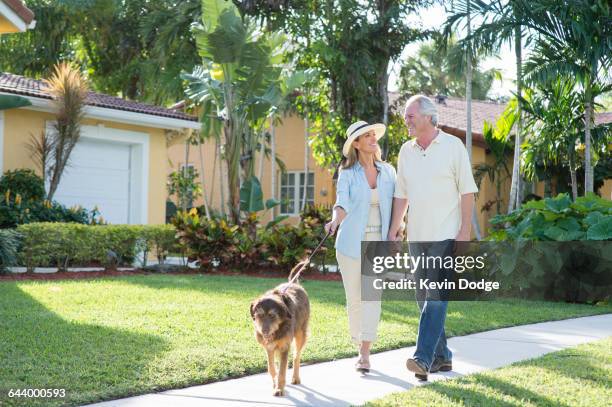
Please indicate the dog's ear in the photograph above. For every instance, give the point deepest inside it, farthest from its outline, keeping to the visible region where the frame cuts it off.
(252, 309)
(287, 302)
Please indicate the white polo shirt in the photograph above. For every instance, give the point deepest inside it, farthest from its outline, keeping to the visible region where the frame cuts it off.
(433, 181)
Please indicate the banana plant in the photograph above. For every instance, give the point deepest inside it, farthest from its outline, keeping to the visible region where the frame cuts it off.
(497, 138)
(240, 64)
(251, 200)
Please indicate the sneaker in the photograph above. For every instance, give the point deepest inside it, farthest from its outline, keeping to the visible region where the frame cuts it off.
(440, 365)
(418, 368)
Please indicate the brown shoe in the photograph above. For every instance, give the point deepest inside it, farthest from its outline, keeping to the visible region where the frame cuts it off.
(362, 366)
(418, 368)
(440, 365)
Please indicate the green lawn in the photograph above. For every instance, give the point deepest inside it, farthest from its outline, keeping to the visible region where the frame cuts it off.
(111, 338)
(580, 376)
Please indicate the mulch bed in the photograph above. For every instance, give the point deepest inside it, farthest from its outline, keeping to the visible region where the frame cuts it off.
(250, 272)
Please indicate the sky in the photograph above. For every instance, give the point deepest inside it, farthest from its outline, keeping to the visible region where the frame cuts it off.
(433, 18)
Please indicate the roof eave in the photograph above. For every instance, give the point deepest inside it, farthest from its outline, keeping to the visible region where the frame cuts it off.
(116, 115)
(20, 23)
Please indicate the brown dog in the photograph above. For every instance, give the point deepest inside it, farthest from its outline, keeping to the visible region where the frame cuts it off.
(281, 316)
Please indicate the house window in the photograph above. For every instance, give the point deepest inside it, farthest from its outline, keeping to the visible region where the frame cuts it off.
(292, 191)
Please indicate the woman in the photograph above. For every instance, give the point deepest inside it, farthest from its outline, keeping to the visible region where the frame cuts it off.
(362, 212)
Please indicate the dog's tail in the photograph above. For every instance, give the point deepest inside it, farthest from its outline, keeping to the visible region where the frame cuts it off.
(296, 269)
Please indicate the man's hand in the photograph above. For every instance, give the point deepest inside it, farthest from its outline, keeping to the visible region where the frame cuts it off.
(463, 235)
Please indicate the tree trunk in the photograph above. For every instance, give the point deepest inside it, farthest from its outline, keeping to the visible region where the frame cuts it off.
(262, 154)
(574, 183)
(468, 99)
(214, 173)
(384, 93)
(513, 201)
(272, 165)
(572, 168)
(202, 179)
(306, 154)
(588, 165)
(182, 194)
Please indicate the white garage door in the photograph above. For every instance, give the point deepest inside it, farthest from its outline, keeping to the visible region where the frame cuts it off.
(98, 175)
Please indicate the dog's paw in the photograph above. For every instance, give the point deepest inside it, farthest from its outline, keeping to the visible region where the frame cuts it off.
(296, 380)
(278, 392)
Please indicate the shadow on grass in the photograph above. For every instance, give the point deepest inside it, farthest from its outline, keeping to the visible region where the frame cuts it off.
(470, 397)
(576, 366)
(42, 350)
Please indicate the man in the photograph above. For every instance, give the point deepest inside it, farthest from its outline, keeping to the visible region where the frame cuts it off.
(435, 181)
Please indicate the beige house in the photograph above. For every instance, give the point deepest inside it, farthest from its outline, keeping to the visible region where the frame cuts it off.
(120, 163)
(290, 143)
(15, 17)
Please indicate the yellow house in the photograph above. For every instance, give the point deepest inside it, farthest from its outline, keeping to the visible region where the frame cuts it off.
(120, 161)
(290, 144)
(15, 17)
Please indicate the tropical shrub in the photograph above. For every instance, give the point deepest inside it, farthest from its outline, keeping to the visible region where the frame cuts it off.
(557, 219)
(15, 211)
(207, 239)
(22, 201)
(215, 239)
(23, 182)
(9, 245)
(556, 249)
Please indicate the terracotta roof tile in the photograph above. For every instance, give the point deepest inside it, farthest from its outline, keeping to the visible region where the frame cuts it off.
(20, 85)
(452, 117)
(20, 9)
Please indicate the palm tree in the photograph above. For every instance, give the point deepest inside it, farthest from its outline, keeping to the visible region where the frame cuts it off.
(69, 91)
(554, 124)
(573, 41)
(240, 65)
(500, 23)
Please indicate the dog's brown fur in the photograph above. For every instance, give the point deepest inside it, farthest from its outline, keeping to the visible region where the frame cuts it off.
(280, 318)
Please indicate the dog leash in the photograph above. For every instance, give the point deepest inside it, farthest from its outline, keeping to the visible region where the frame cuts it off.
(297, 274)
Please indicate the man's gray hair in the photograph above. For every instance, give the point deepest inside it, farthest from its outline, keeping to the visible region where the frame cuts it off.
(426, 105)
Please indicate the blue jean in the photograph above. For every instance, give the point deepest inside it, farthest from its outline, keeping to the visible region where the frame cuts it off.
(431, 339)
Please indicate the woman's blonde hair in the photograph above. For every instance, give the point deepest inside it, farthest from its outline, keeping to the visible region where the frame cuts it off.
(353, 156)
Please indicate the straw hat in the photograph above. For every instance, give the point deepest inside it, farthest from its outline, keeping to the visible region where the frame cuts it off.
(357, 129)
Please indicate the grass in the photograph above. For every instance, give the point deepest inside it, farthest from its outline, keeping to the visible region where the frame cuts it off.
(579, 376)
(116, 337)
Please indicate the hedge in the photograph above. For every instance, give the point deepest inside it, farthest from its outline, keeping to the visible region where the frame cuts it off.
(67, 244)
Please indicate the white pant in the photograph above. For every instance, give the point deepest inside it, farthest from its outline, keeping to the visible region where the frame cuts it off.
(363, 316)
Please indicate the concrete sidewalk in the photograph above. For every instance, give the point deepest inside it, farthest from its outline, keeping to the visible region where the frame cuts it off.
(337, 384)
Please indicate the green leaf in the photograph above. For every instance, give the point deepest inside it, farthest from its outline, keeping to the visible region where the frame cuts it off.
(226, 42)
(13, 102)
(554, 233)
(276, 221)
(271, 203)
(559, 203)
(212, 10)
(251, 195)
(593, 218)
(569, 224)
(539, 205)
(601, 230)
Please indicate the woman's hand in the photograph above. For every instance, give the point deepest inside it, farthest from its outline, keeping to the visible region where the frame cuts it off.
(331, 227)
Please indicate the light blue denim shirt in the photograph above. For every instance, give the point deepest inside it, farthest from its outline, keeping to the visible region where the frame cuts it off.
(353, 195)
